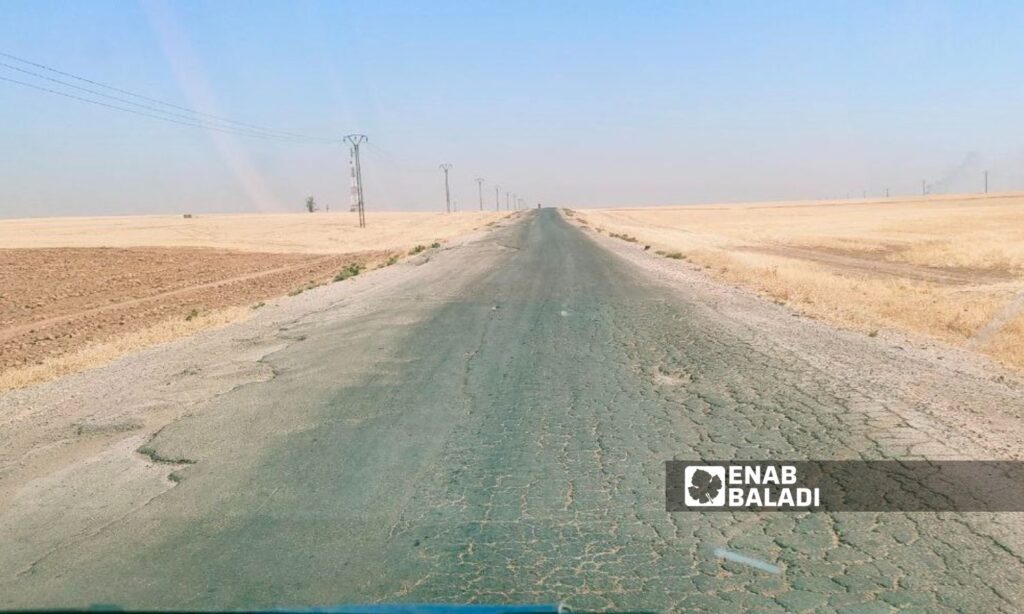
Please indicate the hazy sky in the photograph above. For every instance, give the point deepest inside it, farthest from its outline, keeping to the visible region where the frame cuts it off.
(567, 103)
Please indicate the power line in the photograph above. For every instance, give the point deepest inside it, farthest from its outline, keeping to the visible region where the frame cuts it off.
(396, 161)
(156, 113)
(144, 114)
(142, 97)
(262, 132)
(199, 119)
(187, 120)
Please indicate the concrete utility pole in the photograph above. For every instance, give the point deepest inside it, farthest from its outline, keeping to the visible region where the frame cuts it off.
(480, 189)
(506, 201)
(447, 193)
(887, 192)
(355, 140)
(986, 182)
(497, 198)
(924, 188)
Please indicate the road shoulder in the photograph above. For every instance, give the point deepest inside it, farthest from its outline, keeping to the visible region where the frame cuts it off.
(961, 398)
(85, 437)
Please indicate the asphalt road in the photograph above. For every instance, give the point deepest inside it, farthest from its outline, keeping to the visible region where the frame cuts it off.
(501, 439)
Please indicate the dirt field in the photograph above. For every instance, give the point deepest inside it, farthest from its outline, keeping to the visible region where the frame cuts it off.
(950, 267)
(75, 293)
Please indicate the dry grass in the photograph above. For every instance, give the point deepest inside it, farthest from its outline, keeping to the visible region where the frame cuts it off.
(1009, 343)
(939, 266)
(317, 233)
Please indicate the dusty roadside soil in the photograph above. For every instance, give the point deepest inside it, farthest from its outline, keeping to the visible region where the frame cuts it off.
(56, 301)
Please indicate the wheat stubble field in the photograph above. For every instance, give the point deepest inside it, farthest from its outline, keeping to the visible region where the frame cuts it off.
(948, 267)
(78, 292)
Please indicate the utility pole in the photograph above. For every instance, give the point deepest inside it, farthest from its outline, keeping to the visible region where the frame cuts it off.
(353, 190)
(924, 188)
(887, 192)
(506, 201)
(480, 189)
(447, 193)
(497, 198)
(355, 140)
(986, 182)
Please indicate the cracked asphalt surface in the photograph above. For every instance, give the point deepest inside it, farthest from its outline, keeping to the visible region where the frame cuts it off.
(501, 438)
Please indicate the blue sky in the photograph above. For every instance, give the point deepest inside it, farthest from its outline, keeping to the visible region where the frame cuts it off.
(566, 103)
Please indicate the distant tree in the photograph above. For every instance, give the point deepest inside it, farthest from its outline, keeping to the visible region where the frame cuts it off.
(310, 204)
